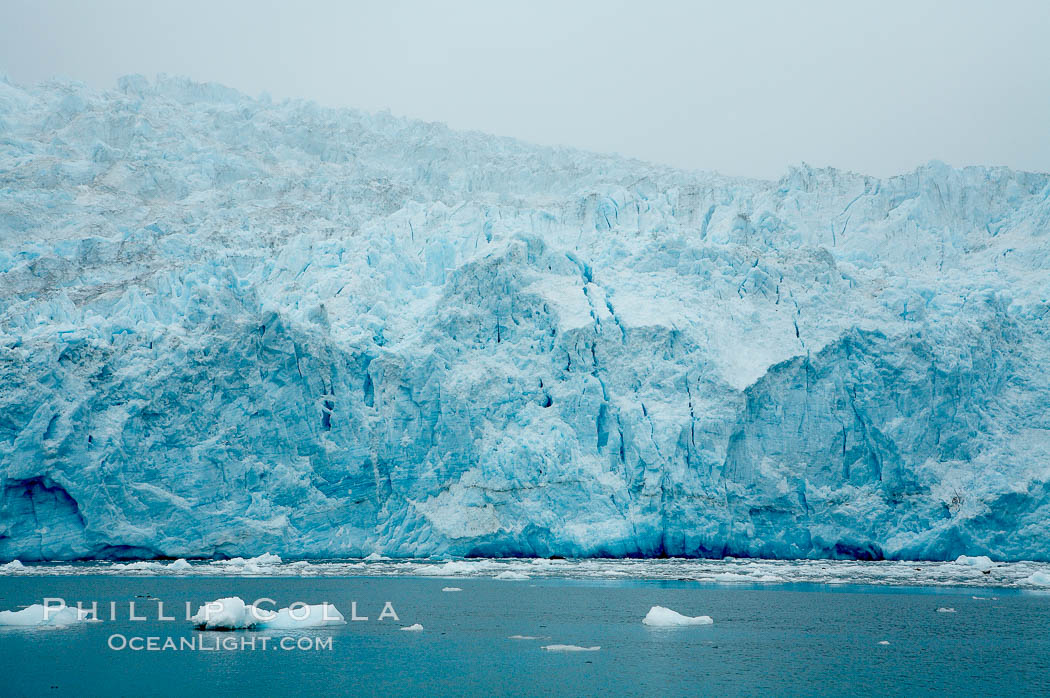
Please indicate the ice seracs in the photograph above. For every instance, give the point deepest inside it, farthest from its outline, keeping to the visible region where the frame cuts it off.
(326, 333)
(661, 617)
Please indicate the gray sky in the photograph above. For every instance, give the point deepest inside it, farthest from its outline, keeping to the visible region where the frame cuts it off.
(876, 87)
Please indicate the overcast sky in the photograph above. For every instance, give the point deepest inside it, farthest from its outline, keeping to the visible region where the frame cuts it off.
(876, 87)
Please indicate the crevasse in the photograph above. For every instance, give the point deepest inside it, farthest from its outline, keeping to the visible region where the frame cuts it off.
(231, 326)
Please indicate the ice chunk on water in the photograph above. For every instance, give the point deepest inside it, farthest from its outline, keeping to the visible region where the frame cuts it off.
(658, 616)
(525, 637)
(451, 589)
(981, 562)
(511, 576)
(570, 648)
(884, 642)
(54, 617)
(1039, 579)
(375, 557)
(945, 610)
(180, 564)
(261, 564)
(414, 628)
(297, 617)
(232, 613)
(13, 566)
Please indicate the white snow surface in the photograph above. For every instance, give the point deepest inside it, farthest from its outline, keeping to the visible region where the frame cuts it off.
(661, 617)
(231, 325)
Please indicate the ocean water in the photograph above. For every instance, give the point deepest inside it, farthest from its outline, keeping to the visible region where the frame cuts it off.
(782, 639)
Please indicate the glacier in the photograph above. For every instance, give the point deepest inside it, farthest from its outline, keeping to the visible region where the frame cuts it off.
(232, 326)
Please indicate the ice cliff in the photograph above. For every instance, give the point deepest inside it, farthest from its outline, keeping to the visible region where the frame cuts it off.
(230, 326)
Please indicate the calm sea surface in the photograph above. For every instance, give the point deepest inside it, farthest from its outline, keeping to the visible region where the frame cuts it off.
(767, 640)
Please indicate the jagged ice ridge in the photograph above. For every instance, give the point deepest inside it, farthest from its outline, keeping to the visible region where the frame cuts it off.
(231, 326)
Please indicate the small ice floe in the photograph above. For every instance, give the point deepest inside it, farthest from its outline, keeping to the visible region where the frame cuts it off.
(414, 628)
(375, 557)
(232, 613)
(451, 589)
(942, 609)
(55, 617)
(511, 576)
(294, 618)
(453, 568)
(525, 637)
(141, 566)
(884, 642)
(985, 598)
(13, 566)
(980, 562)
(661, 617)
(1038, 579)
(570, 648)
(260, 564)
(179, 564)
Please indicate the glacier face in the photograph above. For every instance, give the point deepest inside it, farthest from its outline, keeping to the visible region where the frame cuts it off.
(230, 326)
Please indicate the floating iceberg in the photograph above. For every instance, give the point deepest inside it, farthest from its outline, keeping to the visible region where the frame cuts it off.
(512, 576)
(414, 628)
(981, 562)
(1039, 579)
(661, 617)
(274, 324)
(314, 616)
(570, 648)
(945, 610)
(36, 616)
(451, 589)
(232, 613)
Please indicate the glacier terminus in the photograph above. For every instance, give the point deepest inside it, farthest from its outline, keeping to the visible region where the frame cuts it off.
(231, 326)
